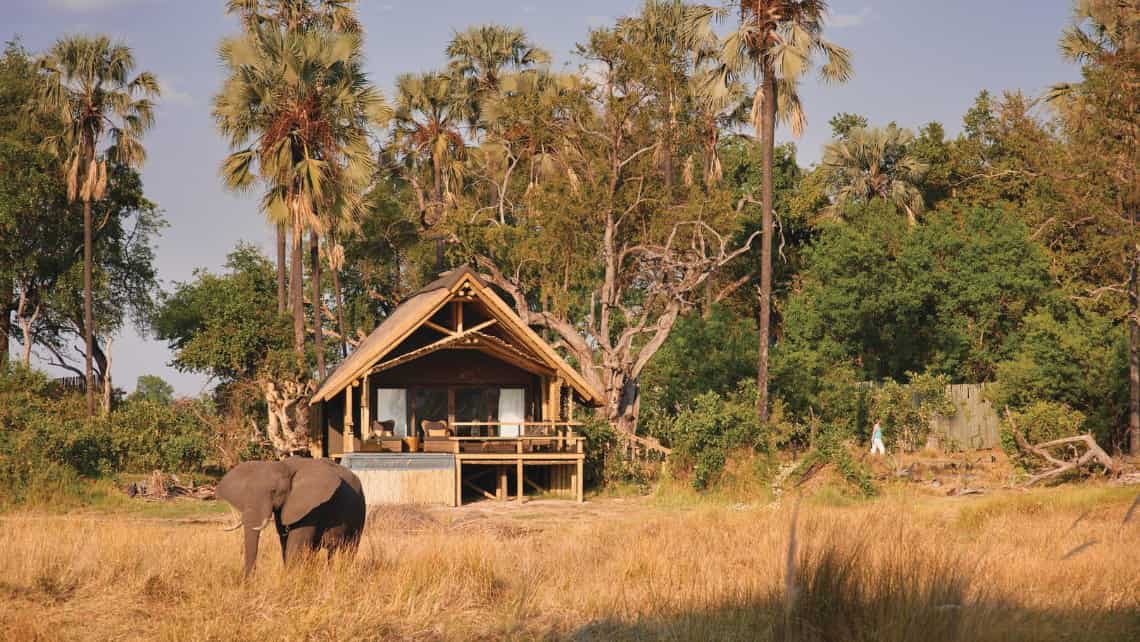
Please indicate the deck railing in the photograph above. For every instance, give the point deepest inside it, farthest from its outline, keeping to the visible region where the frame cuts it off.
(555, 436)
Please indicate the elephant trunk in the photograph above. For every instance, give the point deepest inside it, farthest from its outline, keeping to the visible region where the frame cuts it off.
(252, 535)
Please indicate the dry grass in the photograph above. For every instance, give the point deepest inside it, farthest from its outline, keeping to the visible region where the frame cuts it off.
(986, 568)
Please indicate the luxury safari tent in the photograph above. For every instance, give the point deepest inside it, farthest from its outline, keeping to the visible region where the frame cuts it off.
(453, 398)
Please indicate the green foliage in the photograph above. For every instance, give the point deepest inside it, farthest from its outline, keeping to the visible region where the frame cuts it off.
(705, 431)
(906, 410)
(703, 354)
(50, 449)
(831, 448)
(1040, 421)
(606, 465)
(947, 295)
(843, 122)
(152, 388)
(1076, 360)
(226, 325)
(151, 435)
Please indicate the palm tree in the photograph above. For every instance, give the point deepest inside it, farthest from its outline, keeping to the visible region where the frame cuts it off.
(429, 113)
(294, 16)
(296, 108)
(776, 43)
(482, 53)
(872, 163)
(298, 15)
(675, 44)
(85, 85)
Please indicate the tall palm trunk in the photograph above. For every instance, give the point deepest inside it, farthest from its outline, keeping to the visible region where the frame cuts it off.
(296, 285)
(767, 140)
(318, 335)
(282, 302)
(437, 178)
(338, 296)
(88, 310)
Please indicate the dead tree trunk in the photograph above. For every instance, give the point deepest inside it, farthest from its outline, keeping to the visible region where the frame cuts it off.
(1092, 453)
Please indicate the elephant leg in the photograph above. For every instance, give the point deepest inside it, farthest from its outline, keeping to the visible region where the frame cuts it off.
(299, 543)
(282, 536)
(251, 538)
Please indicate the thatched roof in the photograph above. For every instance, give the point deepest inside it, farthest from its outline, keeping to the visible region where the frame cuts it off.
(419, 308)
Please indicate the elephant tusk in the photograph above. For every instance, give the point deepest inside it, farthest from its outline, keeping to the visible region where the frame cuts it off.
(263, 524)
(237, 521)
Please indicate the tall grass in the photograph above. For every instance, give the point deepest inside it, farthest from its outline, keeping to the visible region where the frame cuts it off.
(880, 570)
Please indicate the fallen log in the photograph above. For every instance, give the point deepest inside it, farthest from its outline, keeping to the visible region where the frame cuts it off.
(160, 486)
(1092, 453)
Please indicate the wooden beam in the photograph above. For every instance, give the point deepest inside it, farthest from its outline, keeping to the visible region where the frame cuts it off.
(479, 490)
(536, 487)
(447, 332)
(519, 472)
(431, 347)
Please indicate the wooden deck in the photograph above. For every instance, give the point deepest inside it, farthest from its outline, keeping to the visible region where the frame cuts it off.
(476, 456)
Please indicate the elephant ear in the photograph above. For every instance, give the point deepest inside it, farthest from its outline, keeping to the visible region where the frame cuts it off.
(314, 483)
(250, 488)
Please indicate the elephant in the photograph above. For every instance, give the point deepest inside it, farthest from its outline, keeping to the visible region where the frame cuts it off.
(313, 502)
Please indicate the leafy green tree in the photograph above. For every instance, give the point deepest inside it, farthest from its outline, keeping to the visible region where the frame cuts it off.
(154, 389)
(844, 123)
(710, 353)
(1099, 115)
(227, 326)
(596, 250)
(40, 243)
(775, 43)
(85, 85)
(947, 296)
(1072, 358)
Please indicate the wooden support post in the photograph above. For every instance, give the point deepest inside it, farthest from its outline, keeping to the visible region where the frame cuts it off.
(520, 477)
(501, 491)
(365, 410)
(581, 483)
(349, 440)
(458, 482)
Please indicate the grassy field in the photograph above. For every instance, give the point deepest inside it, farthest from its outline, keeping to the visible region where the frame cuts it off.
(902, 567)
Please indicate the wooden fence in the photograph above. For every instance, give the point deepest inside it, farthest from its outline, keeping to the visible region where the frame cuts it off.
(975, 426)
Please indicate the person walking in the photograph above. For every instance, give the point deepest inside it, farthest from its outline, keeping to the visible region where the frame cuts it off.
(877, 440)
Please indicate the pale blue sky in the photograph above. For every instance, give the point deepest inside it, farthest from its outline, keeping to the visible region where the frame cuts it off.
(915, 61)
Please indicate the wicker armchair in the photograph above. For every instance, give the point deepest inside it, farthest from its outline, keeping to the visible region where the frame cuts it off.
(437, 437)
(384, 438)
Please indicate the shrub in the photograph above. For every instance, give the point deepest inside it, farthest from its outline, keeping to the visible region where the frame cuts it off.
(48, 446)
(704, 432)
(151, 435)
(606, 463)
